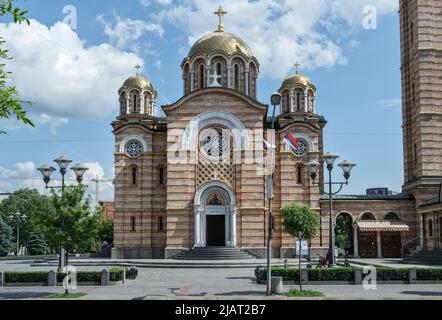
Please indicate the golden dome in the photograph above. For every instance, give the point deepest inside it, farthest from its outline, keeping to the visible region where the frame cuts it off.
(296, 79)
(220, 41)
(138, 82)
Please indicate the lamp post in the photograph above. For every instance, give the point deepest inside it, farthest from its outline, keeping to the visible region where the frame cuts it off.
(346, 167)
(18, 218)
(276, 101)
(46, 171)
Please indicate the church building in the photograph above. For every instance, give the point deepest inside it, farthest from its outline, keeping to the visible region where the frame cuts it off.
(197, 178)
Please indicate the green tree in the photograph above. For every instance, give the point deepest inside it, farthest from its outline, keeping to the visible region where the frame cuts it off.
(36, 245)
(106, 230)
(10, 103)
(5, 238)
(301, 223)
(343, 230)
(73, 223)
(34, 205)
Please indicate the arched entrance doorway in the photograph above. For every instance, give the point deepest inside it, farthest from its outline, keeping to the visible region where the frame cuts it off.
(215, 215)
(344, 231)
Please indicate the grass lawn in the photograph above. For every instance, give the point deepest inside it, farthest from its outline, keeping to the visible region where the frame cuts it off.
(65, 296)
(304, 293)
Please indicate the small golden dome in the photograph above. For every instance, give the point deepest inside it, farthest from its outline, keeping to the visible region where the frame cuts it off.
(296, 79)
(220, 41)
(138, 82)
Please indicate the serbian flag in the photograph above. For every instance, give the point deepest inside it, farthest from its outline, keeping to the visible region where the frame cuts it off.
(291, 141)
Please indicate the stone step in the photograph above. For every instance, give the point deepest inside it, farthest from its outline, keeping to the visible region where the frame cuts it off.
(214, 253)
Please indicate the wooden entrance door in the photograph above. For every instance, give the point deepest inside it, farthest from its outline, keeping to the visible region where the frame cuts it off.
(391, 244)
(216, 231)
(367, 245)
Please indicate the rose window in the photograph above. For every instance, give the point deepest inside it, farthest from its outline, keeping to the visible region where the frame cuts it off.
(214, 142)
(134, 149)
(301, 150)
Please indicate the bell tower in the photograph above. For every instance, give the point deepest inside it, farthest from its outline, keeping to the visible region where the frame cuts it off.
(421, 67)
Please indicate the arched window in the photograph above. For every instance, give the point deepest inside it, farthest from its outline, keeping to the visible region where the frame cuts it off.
(134, 176)
(161, 178)
(236, 77)
(415, 154)
(160, 224)
(201, 76)
(287, 102)
(391, 216)
(299, 174)
(413, 92)
(147, 103)
(123, 103)
(298, 100)
(412, 33)
(135, 101)
(430, 228)
(368, 216)
(219, 73)
(132, 224)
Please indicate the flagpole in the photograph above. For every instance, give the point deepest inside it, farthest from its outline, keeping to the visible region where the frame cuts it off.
(276, 100)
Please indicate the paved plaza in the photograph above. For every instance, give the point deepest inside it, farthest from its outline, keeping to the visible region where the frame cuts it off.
(205, 283)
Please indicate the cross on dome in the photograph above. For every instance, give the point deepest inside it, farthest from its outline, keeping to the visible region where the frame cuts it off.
(138, 67)
(220, 13)
(297, 65)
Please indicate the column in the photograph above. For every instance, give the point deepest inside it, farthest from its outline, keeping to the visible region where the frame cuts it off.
(197, 227)
(233, 226)
(306, 100)
(208, 68)
(246, 82)
(256, 86)
(127, 104)
(421, 232)
(379, 244)
(314, 104)
(229, 72)
(192, 79)
(292, 101)
(355, 241)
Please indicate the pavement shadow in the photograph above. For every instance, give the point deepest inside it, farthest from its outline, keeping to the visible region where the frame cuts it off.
(241, 293)
(423, 293)
(23, 295)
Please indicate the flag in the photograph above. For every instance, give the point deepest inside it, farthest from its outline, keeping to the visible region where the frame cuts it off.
(268, 145)
(291, 141)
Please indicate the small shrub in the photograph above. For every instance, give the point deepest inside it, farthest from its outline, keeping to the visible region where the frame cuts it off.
(131, 273)
(392, 274)
(304, 293)
(35, 276)
(331, 274)
(429, 273)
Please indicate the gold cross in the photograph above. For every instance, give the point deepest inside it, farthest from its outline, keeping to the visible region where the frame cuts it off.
(138, 67)
(297, 65)
(220, 13)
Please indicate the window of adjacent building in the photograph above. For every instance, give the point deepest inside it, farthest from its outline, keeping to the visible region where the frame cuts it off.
(132, 223)
(430, 228)
(287, 102)
(368, 216)
(298, 100)
(160, 224)
(391, 216)
(236, 76)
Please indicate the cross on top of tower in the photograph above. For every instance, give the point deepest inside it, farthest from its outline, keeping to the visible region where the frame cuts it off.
(220, 13)
(138, 67)
(297, 65)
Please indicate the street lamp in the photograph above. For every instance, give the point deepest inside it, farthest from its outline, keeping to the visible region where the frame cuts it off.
(346, 167)
(46, 171)
(18, 217)
(276, 101)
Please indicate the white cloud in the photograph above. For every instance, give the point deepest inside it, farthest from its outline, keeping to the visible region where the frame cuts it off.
(393, 104)
(21, 175)
(126, 33)
(280, 32)
(53, 68)
(53, 122)
(147, 3)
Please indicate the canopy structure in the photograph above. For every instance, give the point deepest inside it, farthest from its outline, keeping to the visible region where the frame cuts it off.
(392, 226)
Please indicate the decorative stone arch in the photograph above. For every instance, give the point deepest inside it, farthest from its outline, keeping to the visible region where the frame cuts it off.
(195, 59)
(217, 54)
(138, 138)
(202, 210)
(221, 118)
(303, 136)
(353, 220)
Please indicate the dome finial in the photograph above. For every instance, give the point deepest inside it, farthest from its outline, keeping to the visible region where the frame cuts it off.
(297, 65)
(220, 13)
(138, 67)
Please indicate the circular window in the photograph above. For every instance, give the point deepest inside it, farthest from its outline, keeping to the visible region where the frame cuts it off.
(214, 142)
(303, 148)
(133, 148)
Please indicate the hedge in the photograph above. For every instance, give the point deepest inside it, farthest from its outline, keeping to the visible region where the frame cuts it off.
(35, 276)
(347, 274)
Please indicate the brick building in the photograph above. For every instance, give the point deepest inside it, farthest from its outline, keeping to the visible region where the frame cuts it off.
(198, 177)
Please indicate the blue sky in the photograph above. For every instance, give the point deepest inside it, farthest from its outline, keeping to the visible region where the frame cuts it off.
(72, 76)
